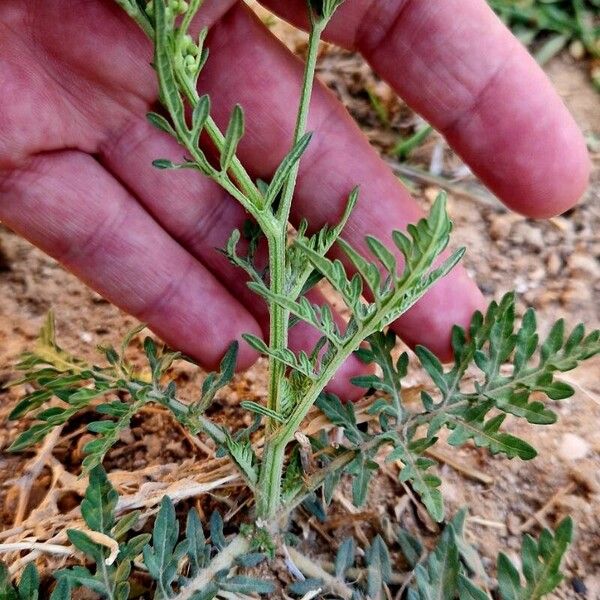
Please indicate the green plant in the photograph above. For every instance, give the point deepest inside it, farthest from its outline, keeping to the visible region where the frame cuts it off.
(192, 566)
(548, 26)
(381, 290)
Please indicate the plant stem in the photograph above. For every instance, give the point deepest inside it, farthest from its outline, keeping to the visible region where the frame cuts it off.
(269, 488)
(268, 500)
(279, 319)
(277, 245)
(302, 119)
(134, 11)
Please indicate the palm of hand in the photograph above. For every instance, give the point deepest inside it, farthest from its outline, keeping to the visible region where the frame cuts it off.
(76, 151)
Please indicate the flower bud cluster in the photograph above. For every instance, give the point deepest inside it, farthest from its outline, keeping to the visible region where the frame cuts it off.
(174, 8)
(190, 53)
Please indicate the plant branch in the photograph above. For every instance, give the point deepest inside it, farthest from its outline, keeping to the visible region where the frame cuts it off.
(270, 476)
(248, 192)
(37, 546)
(302, 118)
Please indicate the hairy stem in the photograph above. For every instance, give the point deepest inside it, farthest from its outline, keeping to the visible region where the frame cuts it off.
(279, 319)
(273, 457)
(269, 489)
(302, 119)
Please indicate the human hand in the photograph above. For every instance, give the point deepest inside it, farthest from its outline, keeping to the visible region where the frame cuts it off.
(76, 150)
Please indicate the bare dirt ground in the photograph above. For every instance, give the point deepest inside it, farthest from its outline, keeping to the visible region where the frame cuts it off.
(554, 265)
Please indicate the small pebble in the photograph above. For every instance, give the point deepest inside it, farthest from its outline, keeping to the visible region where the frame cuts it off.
(583, 265)
(500, 226)
(579, 586)
(524, 233)
(553, 264)
(573, 447)
(513, 524)
(577, 49)
(577, 293)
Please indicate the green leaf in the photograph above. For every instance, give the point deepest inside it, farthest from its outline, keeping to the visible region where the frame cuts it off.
(379, 351)
(29, 403)
(134, 546)
(299, 362)
(199, 117)
(387, 259)
(509, 580)
(416, 470)
(198, 551)
(259, 409)
(469, 591)
(410, 546)
(62, 590)
(98, 511)
(163, 58)
(363, 468)
(160, 557)
(301, 588)
(393, 293)
(541, 562)
(251, 560)
(344, 558)
(379, 566)
(161, 123)
(233, 135)
(320, 317)
(468, 554)
(340, 414)
(437, 578)
(7, 591)
(285, 168)
(487, 435)
(243, 584)
(163, 164)
(33, 435)
(216, 381)
(30, 582)
(81, 577)
(125, 524)
(216, 530)
(243, 456)
(85, 544)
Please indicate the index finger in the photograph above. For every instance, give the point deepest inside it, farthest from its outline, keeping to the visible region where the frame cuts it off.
(456, 64)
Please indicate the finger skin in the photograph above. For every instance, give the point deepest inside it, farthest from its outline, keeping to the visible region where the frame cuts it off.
(67, 205)
(338, 158)
(461, 68)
